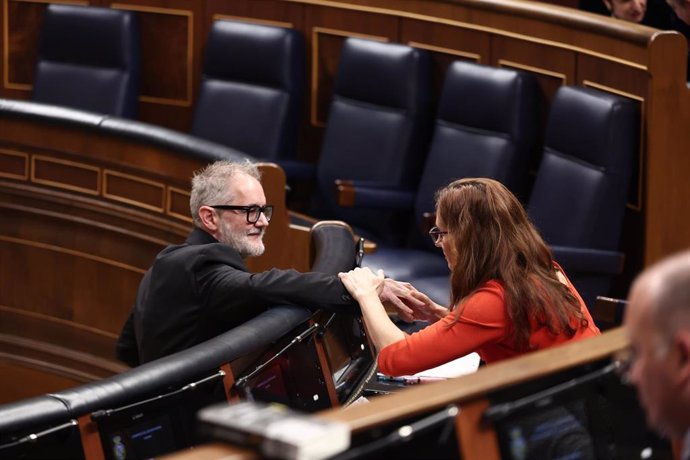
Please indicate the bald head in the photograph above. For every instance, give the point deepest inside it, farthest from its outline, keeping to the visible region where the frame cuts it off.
(657, 321)
(665, 289)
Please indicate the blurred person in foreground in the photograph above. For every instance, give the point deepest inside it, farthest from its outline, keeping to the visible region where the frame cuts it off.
(657, 319)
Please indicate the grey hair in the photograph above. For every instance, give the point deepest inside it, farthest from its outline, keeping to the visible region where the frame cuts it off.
(210, 184)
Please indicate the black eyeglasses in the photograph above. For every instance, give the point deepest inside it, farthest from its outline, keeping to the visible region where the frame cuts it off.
(253, 212)
(436, 234)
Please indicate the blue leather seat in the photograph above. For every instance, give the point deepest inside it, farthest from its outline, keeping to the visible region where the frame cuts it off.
(580, 193)
(88, 58)
(252, 89)
(581, 190)
(485, 127)
(376, 131)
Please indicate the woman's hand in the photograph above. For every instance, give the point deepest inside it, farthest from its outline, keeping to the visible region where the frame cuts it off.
(366, 287)
(362, 283)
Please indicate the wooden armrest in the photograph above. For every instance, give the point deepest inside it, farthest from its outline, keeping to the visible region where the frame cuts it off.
(344, 192)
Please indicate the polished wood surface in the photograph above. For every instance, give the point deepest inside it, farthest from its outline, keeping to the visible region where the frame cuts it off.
(428, 397)
(214, 451)
(476, 441)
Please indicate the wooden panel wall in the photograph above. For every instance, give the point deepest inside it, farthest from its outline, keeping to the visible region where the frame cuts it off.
(83, 214)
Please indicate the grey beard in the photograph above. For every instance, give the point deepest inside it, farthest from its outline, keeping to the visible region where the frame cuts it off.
(241, 244)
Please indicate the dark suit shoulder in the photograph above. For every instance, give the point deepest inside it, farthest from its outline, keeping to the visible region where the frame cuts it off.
(193, 254)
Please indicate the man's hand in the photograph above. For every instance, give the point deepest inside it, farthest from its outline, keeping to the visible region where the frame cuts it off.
(400, 296)
(426, 309)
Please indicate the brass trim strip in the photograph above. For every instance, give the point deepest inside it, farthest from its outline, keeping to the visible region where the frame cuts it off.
(315, 64)
(440, 49)
(168, 204)
(641, 147)
(15, 153)
(187, 101)
(72, 252)
(63, 185)
(549, 73)
(466, 25)
(52, 319)
(141, 180)
(266, 22)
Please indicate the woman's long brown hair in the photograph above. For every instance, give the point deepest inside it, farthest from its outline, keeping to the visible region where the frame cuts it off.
(493, 239)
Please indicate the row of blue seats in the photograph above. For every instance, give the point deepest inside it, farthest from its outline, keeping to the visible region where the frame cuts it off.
(252, 82)
(378, 169)
(384, 153)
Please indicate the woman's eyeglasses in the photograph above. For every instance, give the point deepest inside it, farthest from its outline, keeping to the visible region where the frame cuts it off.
(253, 212)
(436, 234)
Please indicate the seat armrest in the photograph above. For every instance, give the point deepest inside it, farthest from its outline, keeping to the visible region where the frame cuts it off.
(598, 261)
(363, 194)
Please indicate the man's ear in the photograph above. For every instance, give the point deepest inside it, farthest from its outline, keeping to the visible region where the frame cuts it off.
(682, 344)
(209, 218)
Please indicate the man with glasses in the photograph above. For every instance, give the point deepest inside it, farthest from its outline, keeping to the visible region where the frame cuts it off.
(657, 318)
(201, 288)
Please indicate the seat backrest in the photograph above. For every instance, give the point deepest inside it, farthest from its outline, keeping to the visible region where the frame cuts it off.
(485, 127)
(376, 127)
(252, 89)
(332, 248)
(581, 189)
(88, 58)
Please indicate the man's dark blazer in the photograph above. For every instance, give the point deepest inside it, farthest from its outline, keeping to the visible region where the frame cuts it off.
(200, 289)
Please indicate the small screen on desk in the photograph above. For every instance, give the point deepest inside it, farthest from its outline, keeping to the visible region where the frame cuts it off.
(156, 426)
(143, 440)
(600, 419)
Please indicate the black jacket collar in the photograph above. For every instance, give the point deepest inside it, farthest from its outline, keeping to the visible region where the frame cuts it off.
(199, 236)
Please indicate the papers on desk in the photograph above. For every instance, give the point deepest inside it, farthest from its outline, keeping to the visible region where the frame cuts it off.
(461, 366)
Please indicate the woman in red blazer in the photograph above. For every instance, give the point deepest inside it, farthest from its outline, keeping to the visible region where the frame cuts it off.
(508, 295)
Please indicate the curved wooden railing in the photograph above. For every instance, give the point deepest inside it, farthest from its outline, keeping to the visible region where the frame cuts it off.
(87, 202)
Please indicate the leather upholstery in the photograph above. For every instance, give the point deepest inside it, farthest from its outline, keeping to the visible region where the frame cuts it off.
(30, 413)
(580, 193)
(180, 368)
(252, 89)
(376, 128)
(485, 127)
(184, 143)
(88, 58)
(333, 247)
